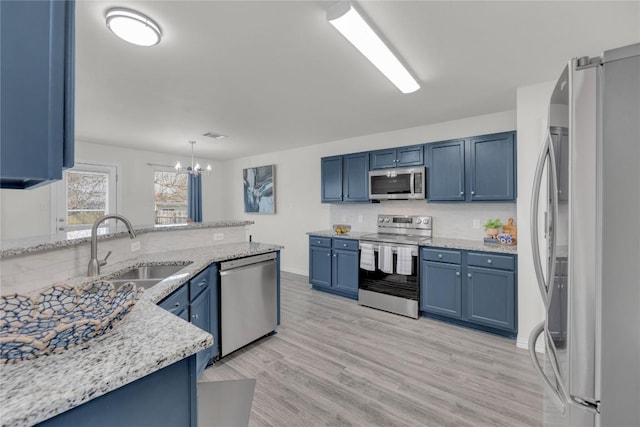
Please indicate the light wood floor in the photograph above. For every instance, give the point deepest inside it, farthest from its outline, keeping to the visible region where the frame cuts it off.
(335, 363)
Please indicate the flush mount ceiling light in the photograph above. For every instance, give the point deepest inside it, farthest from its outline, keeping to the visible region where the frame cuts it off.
(195, 168)
(133, 27)
(346, 19)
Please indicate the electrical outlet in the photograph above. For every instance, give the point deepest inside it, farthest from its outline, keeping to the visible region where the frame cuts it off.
(218, 236)
(360, 219)
(135, 246)
(476, 224)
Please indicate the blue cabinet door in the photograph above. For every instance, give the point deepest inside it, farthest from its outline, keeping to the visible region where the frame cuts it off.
(320, 266)
(355, 186)
(331, 179)
(491, 297)
(382, 159)
(345, 271)
(491, 173)
(440, 287)
(37, 87)
(446, 172)
(201, 317)
(410, 156)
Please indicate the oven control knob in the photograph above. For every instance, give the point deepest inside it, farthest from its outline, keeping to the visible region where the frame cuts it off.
(381, 219)
(418, 221)
(387, 220)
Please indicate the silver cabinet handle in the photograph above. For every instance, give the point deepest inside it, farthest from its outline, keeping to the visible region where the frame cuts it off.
(328, 254)
(461, 193)
(195, 316)
(345, 245)
(318, 242)
(489, 261)
(473, 192)
(335, 255)
(469, 275)
(457, 273)
(201, 284)
(439, 255)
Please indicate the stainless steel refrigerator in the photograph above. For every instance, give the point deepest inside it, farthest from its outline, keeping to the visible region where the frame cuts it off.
(585, 218)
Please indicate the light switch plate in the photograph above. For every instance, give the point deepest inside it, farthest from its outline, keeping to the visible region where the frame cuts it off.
(476, 224)
(218, 236)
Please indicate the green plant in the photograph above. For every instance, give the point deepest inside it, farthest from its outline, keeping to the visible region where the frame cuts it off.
(492, 223)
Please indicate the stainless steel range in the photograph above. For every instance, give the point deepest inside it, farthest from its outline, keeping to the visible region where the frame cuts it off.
(389, 269)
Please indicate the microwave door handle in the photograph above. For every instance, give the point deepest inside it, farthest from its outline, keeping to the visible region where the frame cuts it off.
(412, 183)
(535, 202)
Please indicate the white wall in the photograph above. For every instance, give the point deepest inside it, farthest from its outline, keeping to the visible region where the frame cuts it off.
(532, 108)
(298, 207)
(25, 213)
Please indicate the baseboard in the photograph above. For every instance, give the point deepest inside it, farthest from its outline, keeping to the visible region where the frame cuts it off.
(295, 271)
(523, 342)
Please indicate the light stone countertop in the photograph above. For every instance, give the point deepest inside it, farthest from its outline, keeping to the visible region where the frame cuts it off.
(146, 340)
(436, 242)
(37, 244)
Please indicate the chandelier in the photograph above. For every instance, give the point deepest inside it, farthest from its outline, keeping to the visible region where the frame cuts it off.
(195, 168)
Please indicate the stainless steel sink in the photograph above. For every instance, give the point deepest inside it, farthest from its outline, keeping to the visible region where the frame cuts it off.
(146, 276)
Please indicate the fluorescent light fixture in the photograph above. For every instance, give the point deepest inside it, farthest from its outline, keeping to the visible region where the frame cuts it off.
(133, 27)
(346, 19)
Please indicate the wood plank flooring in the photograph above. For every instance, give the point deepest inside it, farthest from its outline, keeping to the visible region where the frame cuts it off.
(335, 363)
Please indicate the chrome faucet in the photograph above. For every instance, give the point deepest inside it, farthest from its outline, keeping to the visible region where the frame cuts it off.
(94, 263)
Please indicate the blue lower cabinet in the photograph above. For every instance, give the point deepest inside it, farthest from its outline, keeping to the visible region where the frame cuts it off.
(320, 266)
(165, 398)
(345, 270)
(441, 288)
(475, 289)
(201, 317)
(491, 297)
(334, 265)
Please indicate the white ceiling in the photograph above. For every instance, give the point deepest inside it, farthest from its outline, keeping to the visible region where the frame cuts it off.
(277, 75)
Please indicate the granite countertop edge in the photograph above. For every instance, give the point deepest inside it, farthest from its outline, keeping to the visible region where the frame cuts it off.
(34, 245)
(148, 339)
(436, 242)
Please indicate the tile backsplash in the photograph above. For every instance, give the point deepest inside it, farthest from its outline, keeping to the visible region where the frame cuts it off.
(453, 220)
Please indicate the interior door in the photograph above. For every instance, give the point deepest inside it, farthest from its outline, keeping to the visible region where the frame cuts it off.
(85, 193)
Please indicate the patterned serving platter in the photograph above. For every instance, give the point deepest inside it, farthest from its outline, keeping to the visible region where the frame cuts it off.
(60, 317)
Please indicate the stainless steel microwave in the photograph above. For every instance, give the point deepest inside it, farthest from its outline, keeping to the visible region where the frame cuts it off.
(397, 184)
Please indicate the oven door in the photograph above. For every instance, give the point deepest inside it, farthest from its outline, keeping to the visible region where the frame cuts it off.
(390, 291)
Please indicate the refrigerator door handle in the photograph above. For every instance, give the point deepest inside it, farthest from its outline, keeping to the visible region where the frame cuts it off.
(589, 404)
(535, 333)
(554, 221)
(535, 202)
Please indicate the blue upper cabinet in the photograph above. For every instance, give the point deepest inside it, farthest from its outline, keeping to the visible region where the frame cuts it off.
(446, 171)
(476, 169)
(492, 174)
(397, 157)
(355, 173)
(37, 86)
(331, 179)
(345, 178)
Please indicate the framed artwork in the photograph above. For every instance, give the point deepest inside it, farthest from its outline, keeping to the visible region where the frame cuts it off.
(259, 189)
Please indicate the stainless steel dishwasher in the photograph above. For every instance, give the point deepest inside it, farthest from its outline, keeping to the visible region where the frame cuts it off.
(248, 300)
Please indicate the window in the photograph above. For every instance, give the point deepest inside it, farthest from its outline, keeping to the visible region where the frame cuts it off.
(170, 198)
(87, 197)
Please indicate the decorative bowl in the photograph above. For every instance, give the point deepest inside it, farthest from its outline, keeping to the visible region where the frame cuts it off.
(60, 317)
(341, 228)
(505, 239)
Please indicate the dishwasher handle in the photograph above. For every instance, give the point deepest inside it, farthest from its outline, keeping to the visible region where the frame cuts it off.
(250, 260)
(236, 270)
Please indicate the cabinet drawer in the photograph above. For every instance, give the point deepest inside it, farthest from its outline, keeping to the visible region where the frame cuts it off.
(198, 284)
(452, 257)
(177, 301)
(349, 245)
(504, 262)
(324, 242)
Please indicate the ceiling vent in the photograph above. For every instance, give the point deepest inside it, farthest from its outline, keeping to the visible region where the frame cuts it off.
(214, 135)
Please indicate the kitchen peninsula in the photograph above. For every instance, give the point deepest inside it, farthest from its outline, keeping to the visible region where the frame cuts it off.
(145, 366)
